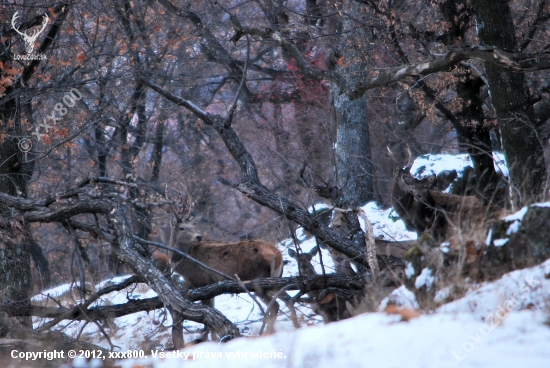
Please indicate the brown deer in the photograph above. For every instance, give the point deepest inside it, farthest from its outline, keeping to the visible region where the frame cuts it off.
(424, 209)
(331, 307)
(248, 260)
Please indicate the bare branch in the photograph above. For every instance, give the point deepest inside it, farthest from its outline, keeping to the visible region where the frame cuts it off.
(231, 111)
(282, 284)
(503, 59)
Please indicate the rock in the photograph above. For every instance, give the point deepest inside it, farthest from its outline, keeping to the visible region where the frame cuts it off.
(518, 243)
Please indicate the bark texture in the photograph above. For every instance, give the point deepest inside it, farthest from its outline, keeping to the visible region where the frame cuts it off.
(511, 100)
(349, 117)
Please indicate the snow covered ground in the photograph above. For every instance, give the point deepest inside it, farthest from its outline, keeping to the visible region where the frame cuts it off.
(505, 323)
(499, 324)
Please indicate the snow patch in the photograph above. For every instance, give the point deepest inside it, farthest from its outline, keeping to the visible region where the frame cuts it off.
(489, 237)
(409, 270)
(427, 165)
(385, 224)
(400, 297)
(518, 216)
(425, 278)
(500, 242)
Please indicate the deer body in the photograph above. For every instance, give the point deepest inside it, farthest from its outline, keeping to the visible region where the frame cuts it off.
(248, 260)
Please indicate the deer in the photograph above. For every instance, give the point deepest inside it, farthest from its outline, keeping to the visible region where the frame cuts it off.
(331, 307)
(29, 39)
(389, 254)
(424, 209)
(247, 259)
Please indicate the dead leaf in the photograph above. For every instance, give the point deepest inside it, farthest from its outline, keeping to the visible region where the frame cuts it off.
(405, 313)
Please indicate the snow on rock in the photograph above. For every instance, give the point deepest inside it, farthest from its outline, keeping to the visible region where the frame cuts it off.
(424, 279)
(400, 297)
(434, 164)
(427, 165)
(386, 223)
(516, 218)
(500, 242)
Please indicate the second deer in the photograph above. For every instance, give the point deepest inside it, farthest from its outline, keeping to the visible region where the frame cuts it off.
(331, 307)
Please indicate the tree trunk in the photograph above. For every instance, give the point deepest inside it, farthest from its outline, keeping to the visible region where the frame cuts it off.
(475, 139)
(349, 118)
(511, 100)
(15, 261)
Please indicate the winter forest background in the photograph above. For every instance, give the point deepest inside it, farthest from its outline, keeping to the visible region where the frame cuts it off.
(268, 119)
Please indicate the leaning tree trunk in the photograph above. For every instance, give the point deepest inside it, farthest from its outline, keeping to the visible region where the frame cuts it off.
(511, 100)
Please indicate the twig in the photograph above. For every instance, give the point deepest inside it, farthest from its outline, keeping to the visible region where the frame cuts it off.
(255, 300)
(233, 107)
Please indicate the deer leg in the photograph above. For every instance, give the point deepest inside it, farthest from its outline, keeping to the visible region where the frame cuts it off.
(271, 312)
(292, 311)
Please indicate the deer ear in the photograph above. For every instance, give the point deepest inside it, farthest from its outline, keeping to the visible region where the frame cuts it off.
(174, 220)
(292, 253)
(194, 218)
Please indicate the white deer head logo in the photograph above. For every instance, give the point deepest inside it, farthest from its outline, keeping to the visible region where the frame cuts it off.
(29, 40)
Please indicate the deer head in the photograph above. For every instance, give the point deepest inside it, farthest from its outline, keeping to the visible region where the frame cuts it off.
(304, 261)
(29, 39)
(179, 233)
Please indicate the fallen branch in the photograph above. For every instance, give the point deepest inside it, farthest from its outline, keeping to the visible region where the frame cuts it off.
(337, 281)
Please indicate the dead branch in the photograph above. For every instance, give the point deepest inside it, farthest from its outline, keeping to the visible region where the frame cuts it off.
(143, 267)
(81, 313)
